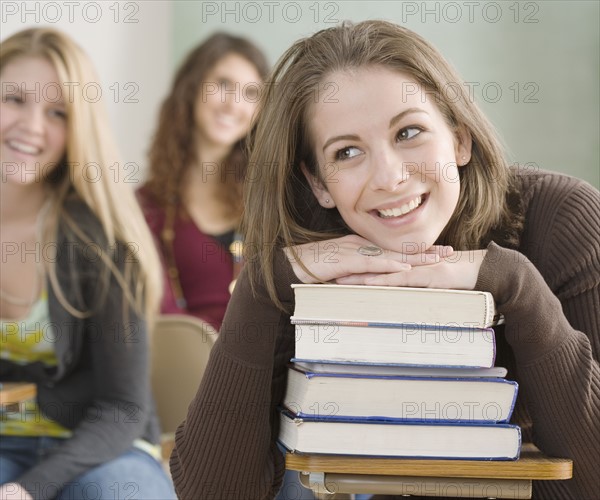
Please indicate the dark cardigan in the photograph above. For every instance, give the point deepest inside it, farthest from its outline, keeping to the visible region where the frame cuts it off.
(100, 388)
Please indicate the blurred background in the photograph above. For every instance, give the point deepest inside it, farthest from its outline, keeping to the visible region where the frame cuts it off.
(532, 66)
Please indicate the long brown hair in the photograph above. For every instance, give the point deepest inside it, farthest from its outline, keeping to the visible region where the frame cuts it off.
(173, 150)
(281, 210)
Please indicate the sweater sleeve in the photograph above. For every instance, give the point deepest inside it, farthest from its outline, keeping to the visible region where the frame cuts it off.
(118, 368)
(226, 448)
(553, 327)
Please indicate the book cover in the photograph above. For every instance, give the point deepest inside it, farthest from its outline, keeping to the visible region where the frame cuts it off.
(398, 345)
(396, 305)
(344, 436)
(399, 398)
(397, 370)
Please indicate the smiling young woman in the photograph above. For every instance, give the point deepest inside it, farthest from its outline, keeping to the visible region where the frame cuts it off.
(192, 199)
(33, 134)
(410, 188)
(78, 282)
(396, 181)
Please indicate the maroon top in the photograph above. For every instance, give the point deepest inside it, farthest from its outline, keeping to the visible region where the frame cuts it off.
(205, 266)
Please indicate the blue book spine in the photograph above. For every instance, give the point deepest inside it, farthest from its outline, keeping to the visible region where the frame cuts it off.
(408, 365)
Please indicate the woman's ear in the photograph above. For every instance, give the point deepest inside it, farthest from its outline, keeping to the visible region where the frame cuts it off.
(463, 146)
(318, 189)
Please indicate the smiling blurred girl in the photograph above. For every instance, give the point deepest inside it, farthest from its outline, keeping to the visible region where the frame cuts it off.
(193, 197)
(78, 289)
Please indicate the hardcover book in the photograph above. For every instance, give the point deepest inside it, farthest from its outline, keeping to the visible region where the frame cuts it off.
(394, 305)
(398, 370)
(396, 344)
(342, 436)
(378, 397)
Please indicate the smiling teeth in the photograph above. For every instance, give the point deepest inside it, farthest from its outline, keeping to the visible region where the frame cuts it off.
(24, 148)
(402, 210)
(226, 119)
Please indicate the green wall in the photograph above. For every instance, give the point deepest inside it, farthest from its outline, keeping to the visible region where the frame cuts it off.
(532, 66)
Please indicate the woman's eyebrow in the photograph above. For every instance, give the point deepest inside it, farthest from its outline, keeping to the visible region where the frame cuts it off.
(402, 114)
(340, 138)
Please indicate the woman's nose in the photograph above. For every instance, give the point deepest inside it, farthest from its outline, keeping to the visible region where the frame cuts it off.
(388, 171)
(33, 120)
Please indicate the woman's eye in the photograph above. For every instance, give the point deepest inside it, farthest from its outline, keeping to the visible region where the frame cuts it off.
(12, 98)
(251, 92)
(58, 113)
(347, 153)
(408, 133)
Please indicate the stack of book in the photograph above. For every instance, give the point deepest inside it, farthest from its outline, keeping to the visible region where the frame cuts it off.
(402, 372)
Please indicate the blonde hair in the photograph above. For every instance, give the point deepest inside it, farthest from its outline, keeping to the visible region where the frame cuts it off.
(90, 143)
(280, 208)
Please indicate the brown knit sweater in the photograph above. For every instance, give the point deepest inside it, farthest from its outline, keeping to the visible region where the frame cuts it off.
(549, 293)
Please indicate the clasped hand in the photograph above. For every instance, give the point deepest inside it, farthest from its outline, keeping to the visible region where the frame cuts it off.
(338, 260)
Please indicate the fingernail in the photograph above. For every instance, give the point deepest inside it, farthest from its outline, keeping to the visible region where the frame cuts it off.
(448, 250)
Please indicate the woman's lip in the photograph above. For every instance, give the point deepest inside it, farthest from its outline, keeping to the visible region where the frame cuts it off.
(403, 201)
(403, 219)
(226, 119)
(18, 146)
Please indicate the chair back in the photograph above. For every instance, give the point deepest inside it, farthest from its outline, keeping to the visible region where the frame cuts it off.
(180, 349)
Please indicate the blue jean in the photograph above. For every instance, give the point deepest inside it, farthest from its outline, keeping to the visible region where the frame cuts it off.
(132, 475)
(292, 488)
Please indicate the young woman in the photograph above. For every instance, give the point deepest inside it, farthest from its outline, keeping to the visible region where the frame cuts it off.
(193, 198)
(370, 150)
(78, 288)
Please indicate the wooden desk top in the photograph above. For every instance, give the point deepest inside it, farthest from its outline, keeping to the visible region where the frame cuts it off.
(16, 392)
(532, 464)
